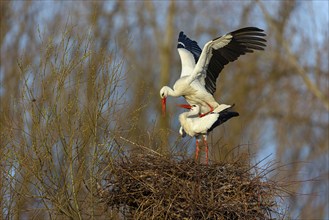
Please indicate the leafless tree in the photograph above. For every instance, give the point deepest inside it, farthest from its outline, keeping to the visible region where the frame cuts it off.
(80, 78)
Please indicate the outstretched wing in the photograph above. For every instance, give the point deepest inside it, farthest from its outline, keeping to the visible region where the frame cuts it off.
(227, 48)
(189, 52)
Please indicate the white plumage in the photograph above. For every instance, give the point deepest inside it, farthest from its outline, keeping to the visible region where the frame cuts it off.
(200, 68)
(197, 127)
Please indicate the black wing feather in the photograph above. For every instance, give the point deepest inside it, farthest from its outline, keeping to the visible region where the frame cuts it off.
(190, 45)
(223, 116)
(244, 40)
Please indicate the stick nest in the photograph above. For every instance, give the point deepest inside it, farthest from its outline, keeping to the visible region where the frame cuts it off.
(155, 187)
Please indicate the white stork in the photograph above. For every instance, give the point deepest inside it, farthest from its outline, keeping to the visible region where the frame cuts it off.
(197, 127)
(200, 68)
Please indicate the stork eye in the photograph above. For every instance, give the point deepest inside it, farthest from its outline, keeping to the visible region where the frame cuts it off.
(162, 95)
(193, 105)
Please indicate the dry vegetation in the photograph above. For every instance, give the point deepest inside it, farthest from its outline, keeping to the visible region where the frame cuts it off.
(76, 76)
(151, 186)
(65, 106)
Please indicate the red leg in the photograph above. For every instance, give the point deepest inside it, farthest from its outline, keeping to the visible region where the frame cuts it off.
(204, 114)
(196, 150)
(206, 147)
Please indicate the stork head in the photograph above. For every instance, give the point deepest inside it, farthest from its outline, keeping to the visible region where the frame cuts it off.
(194, 109)
(163, 94)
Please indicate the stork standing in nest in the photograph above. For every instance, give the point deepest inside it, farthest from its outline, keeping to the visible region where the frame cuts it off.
(199, 127)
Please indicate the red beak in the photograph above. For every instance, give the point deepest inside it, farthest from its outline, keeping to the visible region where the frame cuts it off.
(185, 106)
(164, 106)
